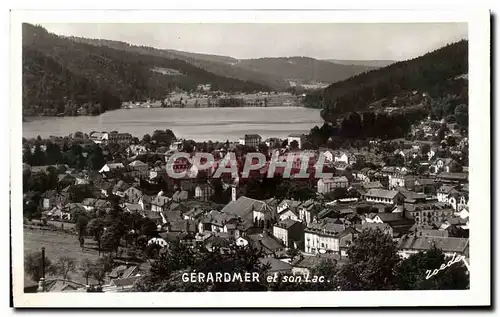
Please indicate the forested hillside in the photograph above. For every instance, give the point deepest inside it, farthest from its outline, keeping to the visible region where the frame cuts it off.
(434, 73)
(61, 76)
(273, 72)
(220, 65)
(304, 69)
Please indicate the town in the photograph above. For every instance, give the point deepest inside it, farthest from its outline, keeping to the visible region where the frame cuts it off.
(112, 212)
(203, 97)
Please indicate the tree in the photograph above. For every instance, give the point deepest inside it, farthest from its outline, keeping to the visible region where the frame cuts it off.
(38, 155)
(441, 133)
(294, 145)
(33, 265)
(146, 139)
(425, 149)
(96, 158)
(86, 266)
(338, 193)
(166, 272)
(148, 227)
(81, 225)
(96, 228)
(53, 153)
(451, 141)
(101, 267)
(413, 272)
(372, 262)
(110, 240)
(27, 155)
(64, 266)
(462, 115)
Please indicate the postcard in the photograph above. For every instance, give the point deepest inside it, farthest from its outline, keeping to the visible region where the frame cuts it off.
(252, 159)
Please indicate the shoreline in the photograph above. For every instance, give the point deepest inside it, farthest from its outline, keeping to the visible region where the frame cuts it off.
(25, 117)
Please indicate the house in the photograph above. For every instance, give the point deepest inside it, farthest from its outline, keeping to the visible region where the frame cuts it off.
(384, 227)
(276, 266)
(158, 203)
(215, 221)
(134, 150)
(177, 145)
(272, 143)
(266, 243)
(308, 211)
(251, 140)
(120, 188)
(448, 165)
(102, 204)
(54, 198)
(120, 138)
(322, 236)
(194, 213)
(117, 271)
(300, 138)
(121, 284)
(111, 167)
(140, 167)
(453, 177)
(341, 157)
(182, 225)
(181, 195)
(258, 212)
(328, 185)
(411, 244)
(402, 180)
(289, 231)
(288, 209)
(89, 203)
(106, 188)
(304, 264)
(448, 194)
(346, 239)
(99, 137)
(203, 192)
(384, 196)
(428, 213)
(57, 213)
(65, 179)
(398, 221)
(408, 154)
(132, 194)
(59, 286)
(132, 208)
(72, 209)
(427, 186)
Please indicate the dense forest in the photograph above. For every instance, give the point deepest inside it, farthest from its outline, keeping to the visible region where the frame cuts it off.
(61, 76)
(437, 73)
(273, 72)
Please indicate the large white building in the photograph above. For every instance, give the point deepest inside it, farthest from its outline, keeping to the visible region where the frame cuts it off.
(328, 185)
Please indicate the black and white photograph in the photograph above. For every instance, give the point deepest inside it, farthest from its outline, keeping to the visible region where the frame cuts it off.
(261, 159)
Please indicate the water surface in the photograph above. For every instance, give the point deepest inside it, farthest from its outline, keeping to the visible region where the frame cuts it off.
(202, 124)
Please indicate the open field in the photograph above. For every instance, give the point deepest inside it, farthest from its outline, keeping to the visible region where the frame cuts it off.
(59, 244)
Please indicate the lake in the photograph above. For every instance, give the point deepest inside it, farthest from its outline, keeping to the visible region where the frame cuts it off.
(201, 124)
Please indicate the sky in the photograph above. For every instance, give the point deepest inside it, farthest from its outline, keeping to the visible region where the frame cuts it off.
(360, 41)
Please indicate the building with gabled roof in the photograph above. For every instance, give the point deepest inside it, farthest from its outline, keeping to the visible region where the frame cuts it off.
(411, 244)
(384, 196)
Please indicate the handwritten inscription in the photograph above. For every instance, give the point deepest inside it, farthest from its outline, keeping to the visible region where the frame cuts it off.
(453, 260)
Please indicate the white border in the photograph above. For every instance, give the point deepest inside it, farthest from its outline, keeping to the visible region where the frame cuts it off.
(479, 293)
